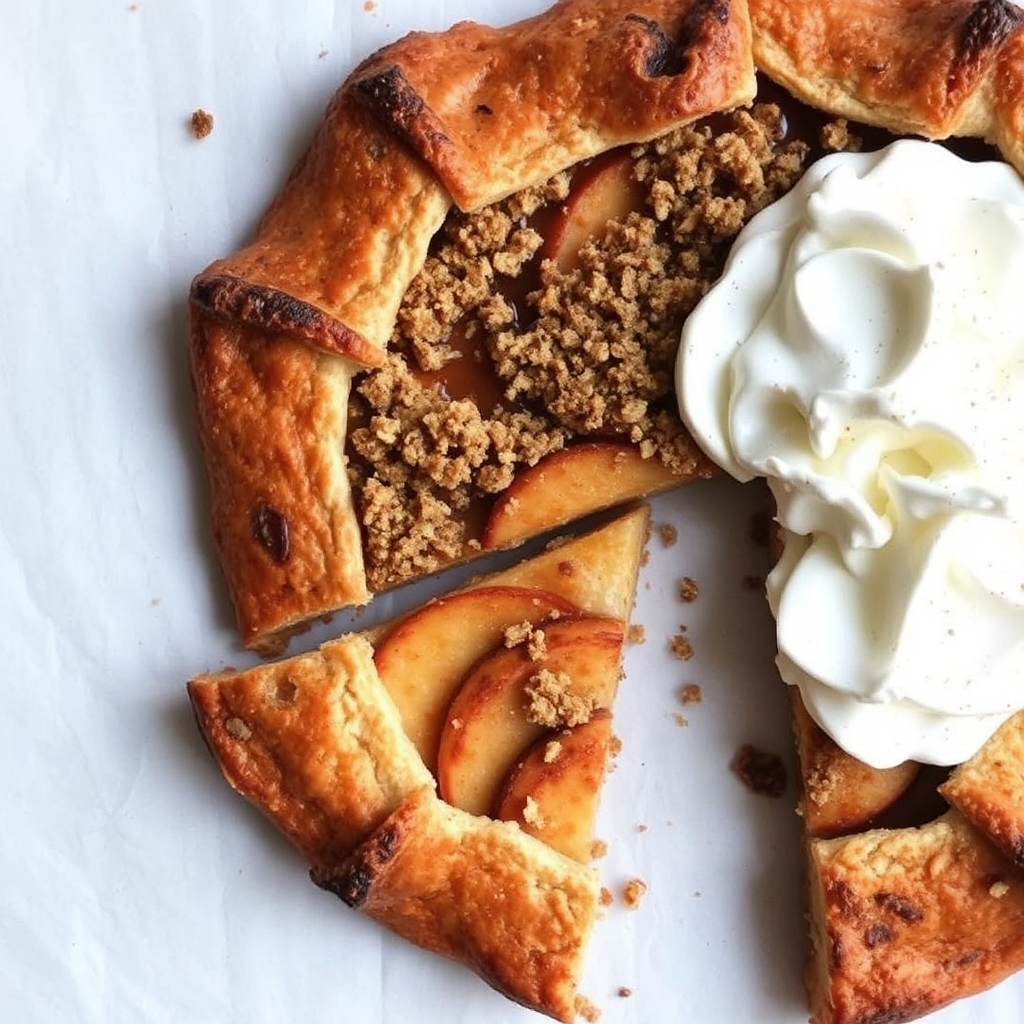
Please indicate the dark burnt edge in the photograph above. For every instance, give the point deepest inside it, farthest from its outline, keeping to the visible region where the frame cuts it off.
(665, 59)
(986, 28)
(696, 24)
(388, 94)
(231, 298)
(354, 879)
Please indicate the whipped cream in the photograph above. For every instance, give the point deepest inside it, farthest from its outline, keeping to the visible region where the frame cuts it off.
(864, 351)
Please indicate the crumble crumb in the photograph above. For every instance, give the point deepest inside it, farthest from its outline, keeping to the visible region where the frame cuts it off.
(456, 724)
(999, 889)
(633, 892)
(551, 703)
(532, 814)
(636, 634)
(201, 123)
(835, 136)
(689, 693)
(551, 751)
(680, 720)
(669, 534)
(688, 589)
(477, 387)
(624, 993)
(587, 1010)
(606, 899)
(681, 647)
(615, 747)
(642, 827)
(762, 773)
(598, 849)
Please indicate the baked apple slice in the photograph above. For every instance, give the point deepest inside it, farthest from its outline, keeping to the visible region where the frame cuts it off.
(553, 792)
(506, 703)
(570, 483)
(602, 193)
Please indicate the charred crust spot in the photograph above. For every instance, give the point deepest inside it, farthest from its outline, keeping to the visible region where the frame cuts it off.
(876, 67)
(988, 24)
(388, 91)
(482, 108)
(877, 934)
(900, 906)
(842, 896)
(270, 530)
(352, 888)
(663, 60)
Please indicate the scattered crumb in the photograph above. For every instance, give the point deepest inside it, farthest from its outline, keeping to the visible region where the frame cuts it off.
(642, 827)
(587, 1010)
(156, 601)
(551, 751)
(636, 634)
(532, 815)
(689, 693)
(998, 889)
(598, 849)
(681, 720)
(322, 54)
(762, 773)
(688, 589)
(760, 529)
(681, 647)
(606, 898)
(201, 123)
(456, 724)
(551, 703)
(615, 747)
(669, 534)
(369, 5)
(133, 7)
(633, 892)
(625, 993)
(753, 582)
(645, 558)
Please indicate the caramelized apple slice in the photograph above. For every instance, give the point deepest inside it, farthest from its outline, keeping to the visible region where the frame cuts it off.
(489, 725)
(426, 656)
(553, 792)
(841, 794)
(571, 483)
(607, 192)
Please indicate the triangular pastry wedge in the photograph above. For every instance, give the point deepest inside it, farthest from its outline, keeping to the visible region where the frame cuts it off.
(334, 747)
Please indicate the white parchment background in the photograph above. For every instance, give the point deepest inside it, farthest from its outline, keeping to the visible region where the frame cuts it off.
(134, 885)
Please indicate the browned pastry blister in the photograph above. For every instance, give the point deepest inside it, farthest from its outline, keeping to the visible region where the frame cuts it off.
(935, 68)
(279, 329)
(329, 745)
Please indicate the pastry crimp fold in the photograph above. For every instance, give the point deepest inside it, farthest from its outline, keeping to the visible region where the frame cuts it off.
(280, 328)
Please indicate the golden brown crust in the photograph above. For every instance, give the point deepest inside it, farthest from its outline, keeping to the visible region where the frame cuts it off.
(907, 921)
(478, 891)
(337, 248)
(315, 743)
(987, 789)
(496, 110)
(272, 424)
(930, 67)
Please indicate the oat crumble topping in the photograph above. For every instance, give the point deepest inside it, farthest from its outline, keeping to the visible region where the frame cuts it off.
(587, 351)
(551, 703)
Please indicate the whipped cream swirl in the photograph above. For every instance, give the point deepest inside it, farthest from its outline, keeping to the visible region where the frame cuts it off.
(864, 351)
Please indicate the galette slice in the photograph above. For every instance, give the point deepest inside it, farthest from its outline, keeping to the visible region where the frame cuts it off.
(443, 772)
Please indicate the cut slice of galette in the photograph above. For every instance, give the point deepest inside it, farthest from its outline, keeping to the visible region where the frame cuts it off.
(442, 772)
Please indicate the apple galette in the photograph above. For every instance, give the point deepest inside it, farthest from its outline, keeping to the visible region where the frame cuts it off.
(456, 328)
(442, 772)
